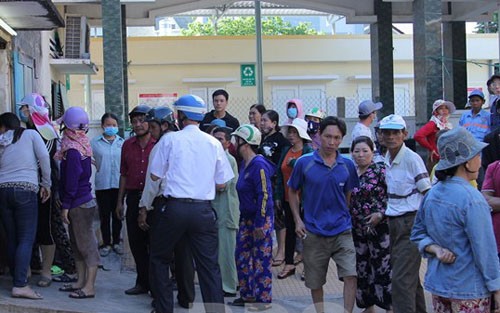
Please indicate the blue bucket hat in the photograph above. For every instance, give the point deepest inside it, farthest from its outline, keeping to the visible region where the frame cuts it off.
(456, 147)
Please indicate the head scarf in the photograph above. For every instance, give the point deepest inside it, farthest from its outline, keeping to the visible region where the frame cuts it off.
(77, 140)
(40, 117)
(5, 140)
(441, 122)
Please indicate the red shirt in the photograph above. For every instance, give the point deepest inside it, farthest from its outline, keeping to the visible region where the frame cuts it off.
(492, 183)
(287, 168)
(134, 162)
(426, 136)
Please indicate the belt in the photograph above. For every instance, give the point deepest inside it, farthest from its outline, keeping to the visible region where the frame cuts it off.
(403, 215)
(187, 200)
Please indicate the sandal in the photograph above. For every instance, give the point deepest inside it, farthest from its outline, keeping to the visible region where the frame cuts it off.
(68, 288)
(278, 262)
(80, 294)
(31, 294)
(56, 270)
(285, 273)
(258, 307)
(64, 278)
(44, 281)
(297, 260)
(241, 302)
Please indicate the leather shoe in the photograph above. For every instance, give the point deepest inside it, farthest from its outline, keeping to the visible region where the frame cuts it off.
(185, 305)
(136, 290)
(229, 295)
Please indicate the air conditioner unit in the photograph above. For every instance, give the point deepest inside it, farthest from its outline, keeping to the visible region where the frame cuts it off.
(77, 41)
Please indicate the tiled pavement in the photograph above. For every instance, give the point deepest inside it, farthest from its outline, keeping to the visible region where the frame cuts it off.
(289, 295)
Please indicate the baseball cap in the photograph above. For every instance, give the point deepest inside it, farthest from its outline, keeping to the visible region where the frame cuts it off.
(477, 93)
(393, 121)
(368, 106)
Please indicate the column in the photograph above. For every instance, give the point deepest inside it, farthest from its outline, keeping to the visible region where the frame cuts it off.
(427, 55)
(382, 61)
(113, 59)
(125, 64)
(455, 65)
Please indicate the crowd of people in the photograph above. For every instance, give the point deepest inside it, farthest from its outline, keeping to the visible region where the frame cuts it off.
(201, 193)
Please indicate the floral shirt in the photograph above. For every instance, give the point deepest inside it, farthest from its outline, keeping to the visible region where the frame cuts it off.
(370, 196)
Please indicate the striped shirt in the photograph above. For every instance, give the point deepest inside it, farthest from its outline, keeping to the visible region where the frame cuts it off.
(407, 179)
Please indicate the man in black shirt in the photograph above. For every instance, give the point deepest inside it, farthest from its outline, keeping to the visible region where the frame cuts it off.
(220, 98)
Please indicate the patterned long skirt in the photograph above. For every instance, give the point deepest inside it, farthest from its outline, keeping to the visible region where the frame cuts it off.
(254, 261)
(446, 305)
(373, 264)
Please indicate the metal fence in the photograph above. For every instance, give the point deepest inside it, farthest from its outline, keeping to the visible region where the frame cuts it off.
(239, 107)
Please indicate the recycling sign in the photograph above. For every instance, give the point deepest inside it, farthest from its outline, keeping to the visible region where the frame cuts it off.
(247, 73)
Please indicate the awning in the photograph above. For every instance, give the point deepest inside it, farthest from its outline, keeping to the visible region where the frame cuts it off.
(30, 14)
(74, 66)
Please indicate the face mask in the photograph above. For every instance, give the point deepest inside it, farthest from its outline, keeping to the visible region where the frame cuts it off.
(240, 145)
(312, 127)
(110, 131)
(292, 112)
(23, 117)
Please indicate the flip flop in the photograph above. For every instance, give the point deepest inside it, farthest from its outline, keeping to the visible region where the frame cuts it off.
(259, 307)
(80, 294)
(285, 273)
(64, 278)
(68, 288)
(278, 262)
(297, 260)
(241, 302)
(56, 270)
(32, 296)
(44, 282)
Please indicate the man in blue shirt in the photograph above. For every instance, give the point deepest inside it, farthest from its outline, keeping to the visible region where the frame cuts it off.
(325, 180)
(494, 89)
(476, 121)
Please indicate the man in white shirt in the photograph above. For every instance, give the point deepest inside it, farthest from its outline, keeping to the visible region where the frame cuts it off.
(193, 163)
(161, 121)
(367, 114)
(407, 180)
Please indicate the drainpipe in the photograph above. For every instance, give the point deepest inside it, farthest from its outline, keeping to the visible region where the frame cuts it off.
(258, 38)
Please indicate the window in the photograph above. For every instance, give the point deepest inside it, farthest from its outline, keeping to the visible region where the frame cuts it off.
(311, 96)
(206, 94)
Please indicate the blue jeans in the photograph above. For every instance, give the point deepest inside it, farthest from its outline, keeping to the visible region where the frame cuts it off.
(19, 214)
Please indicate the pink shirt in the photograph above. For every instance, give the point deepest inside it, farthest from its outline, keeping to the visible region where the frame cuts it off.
(492, 183)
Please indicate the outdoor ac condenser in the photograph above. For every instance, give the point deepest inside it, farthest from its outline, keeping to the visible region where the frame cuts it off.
(76, 45)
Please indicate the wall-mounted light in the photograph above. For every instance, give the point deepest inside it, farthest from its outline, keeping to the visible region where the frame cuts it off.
(7, 28)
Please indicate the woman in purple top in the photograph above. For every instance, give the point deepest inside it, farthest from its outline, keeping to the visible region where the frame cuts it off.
(254, 242)
(77, 203)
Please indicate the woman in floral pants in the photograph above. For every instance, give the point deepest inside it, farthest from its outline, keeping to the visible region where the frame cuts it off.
(370, 229)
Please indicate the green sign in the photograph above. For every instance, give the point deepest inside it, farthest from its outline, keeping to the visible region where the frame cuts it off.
(247, 73)
(68, 82)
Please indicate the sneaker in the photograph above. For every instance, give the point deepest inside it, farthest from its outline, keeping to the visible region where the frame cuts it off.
(118, 249)
(104, 251)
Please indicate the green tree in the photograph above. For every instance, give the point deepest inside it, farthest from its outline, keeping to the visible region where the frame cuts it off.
(488, 27)
(241, 26)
